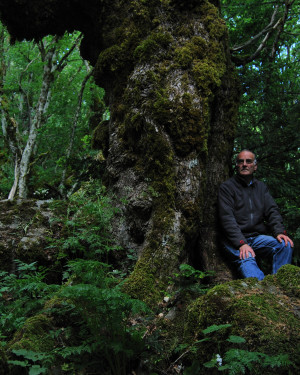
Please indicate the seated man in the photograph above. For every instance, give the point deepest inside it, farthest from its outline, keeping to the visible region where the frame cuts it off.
(245, 207)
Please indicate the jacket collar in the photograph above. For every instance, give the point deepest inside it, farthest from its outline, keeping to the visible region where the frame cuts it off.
(242, 181)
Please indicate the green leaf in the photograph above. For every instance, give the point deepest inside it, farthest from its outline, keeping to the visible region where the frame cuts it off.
(29, 354)
(210, 364)
(214, 328)
(236, 339)
(18, 363)
(37, 370)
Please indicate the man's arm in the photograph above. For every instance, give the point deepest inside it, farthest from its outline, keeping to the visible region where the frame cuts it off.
(226, 203)
(272, 214)
(229, 223)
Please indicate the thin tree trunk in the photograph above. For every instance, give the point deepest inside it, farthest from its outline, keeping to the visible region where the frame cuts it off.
(48, 78)
(11, 135)
(73, 131)
(13, 190)
(51, 65)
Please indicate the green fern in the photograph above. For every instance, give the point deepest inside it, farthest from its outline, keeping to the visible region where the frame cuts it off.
(238, 361)
(29, 361)
(92, 311)
(23, 294)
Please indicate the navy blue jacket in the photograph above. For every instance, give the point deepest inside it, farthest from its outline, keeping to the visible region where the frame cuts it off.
(247, 211)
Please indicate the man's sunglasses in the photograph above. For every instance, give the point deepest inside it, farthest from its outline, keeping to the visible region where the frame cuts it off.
(241, 161)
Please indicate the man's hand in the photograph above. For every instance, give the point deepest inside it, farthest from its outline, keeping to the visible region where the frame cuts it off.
(245, 250)
(286, 239)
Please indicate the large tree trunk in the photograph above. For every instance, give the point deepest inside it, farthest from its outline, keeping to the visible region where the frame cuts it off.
(173, 96)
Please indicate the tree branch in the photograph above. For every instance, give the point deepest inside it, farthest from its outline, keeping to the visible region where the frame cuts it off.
(288, 5)
(62, 63)
(21, 77)
(75, 122)
(263, 43)
(266, 29)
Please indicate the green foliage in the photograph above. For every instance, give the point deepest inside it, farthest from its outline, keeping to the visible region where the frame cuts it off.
(237, 361)
(29, 357)
(87, 322)
(191, 280)
(87, 224)
(6, 176)
(189, 271)
(105, 309)
(22, 294)
(215, 328)
(21, 81)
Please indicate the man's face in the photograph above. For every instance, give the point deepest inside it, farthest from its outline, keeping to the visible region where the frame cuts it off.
(245, 164)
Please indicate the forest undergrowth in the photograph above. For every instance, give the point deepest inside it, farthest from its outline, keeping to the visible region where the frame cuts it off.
(85, 323)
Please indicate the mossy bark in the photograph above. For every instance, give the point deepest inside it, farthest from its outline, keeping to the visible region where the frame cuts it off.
(173, 96)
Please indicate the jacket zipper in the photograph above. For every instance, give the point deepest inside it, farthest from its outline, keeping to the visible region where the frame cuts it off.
(251, 207)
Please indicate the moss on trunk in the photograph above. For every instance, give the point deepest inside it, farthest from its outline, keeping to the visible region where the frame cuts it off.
(171, 87)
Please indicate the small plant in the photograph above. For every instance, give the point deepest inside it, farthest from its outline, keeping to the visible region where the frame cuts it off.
(28, 360)
(188, 271)
(86, 232)
(190, 279)
(234, 361)
(105, 309)
(238, 361)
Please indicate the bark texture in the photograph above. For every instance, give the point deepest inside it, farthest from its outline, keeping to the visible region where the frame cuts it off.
(173, 95)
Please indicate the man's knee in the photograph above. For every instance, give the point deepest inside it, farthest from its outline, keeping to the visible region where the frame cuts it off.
(285, 247)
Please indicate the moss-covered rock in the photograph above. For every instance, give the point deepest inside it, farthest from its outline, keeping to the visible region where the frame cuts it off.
(26, 230)
(34, 335)
(265, 314)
